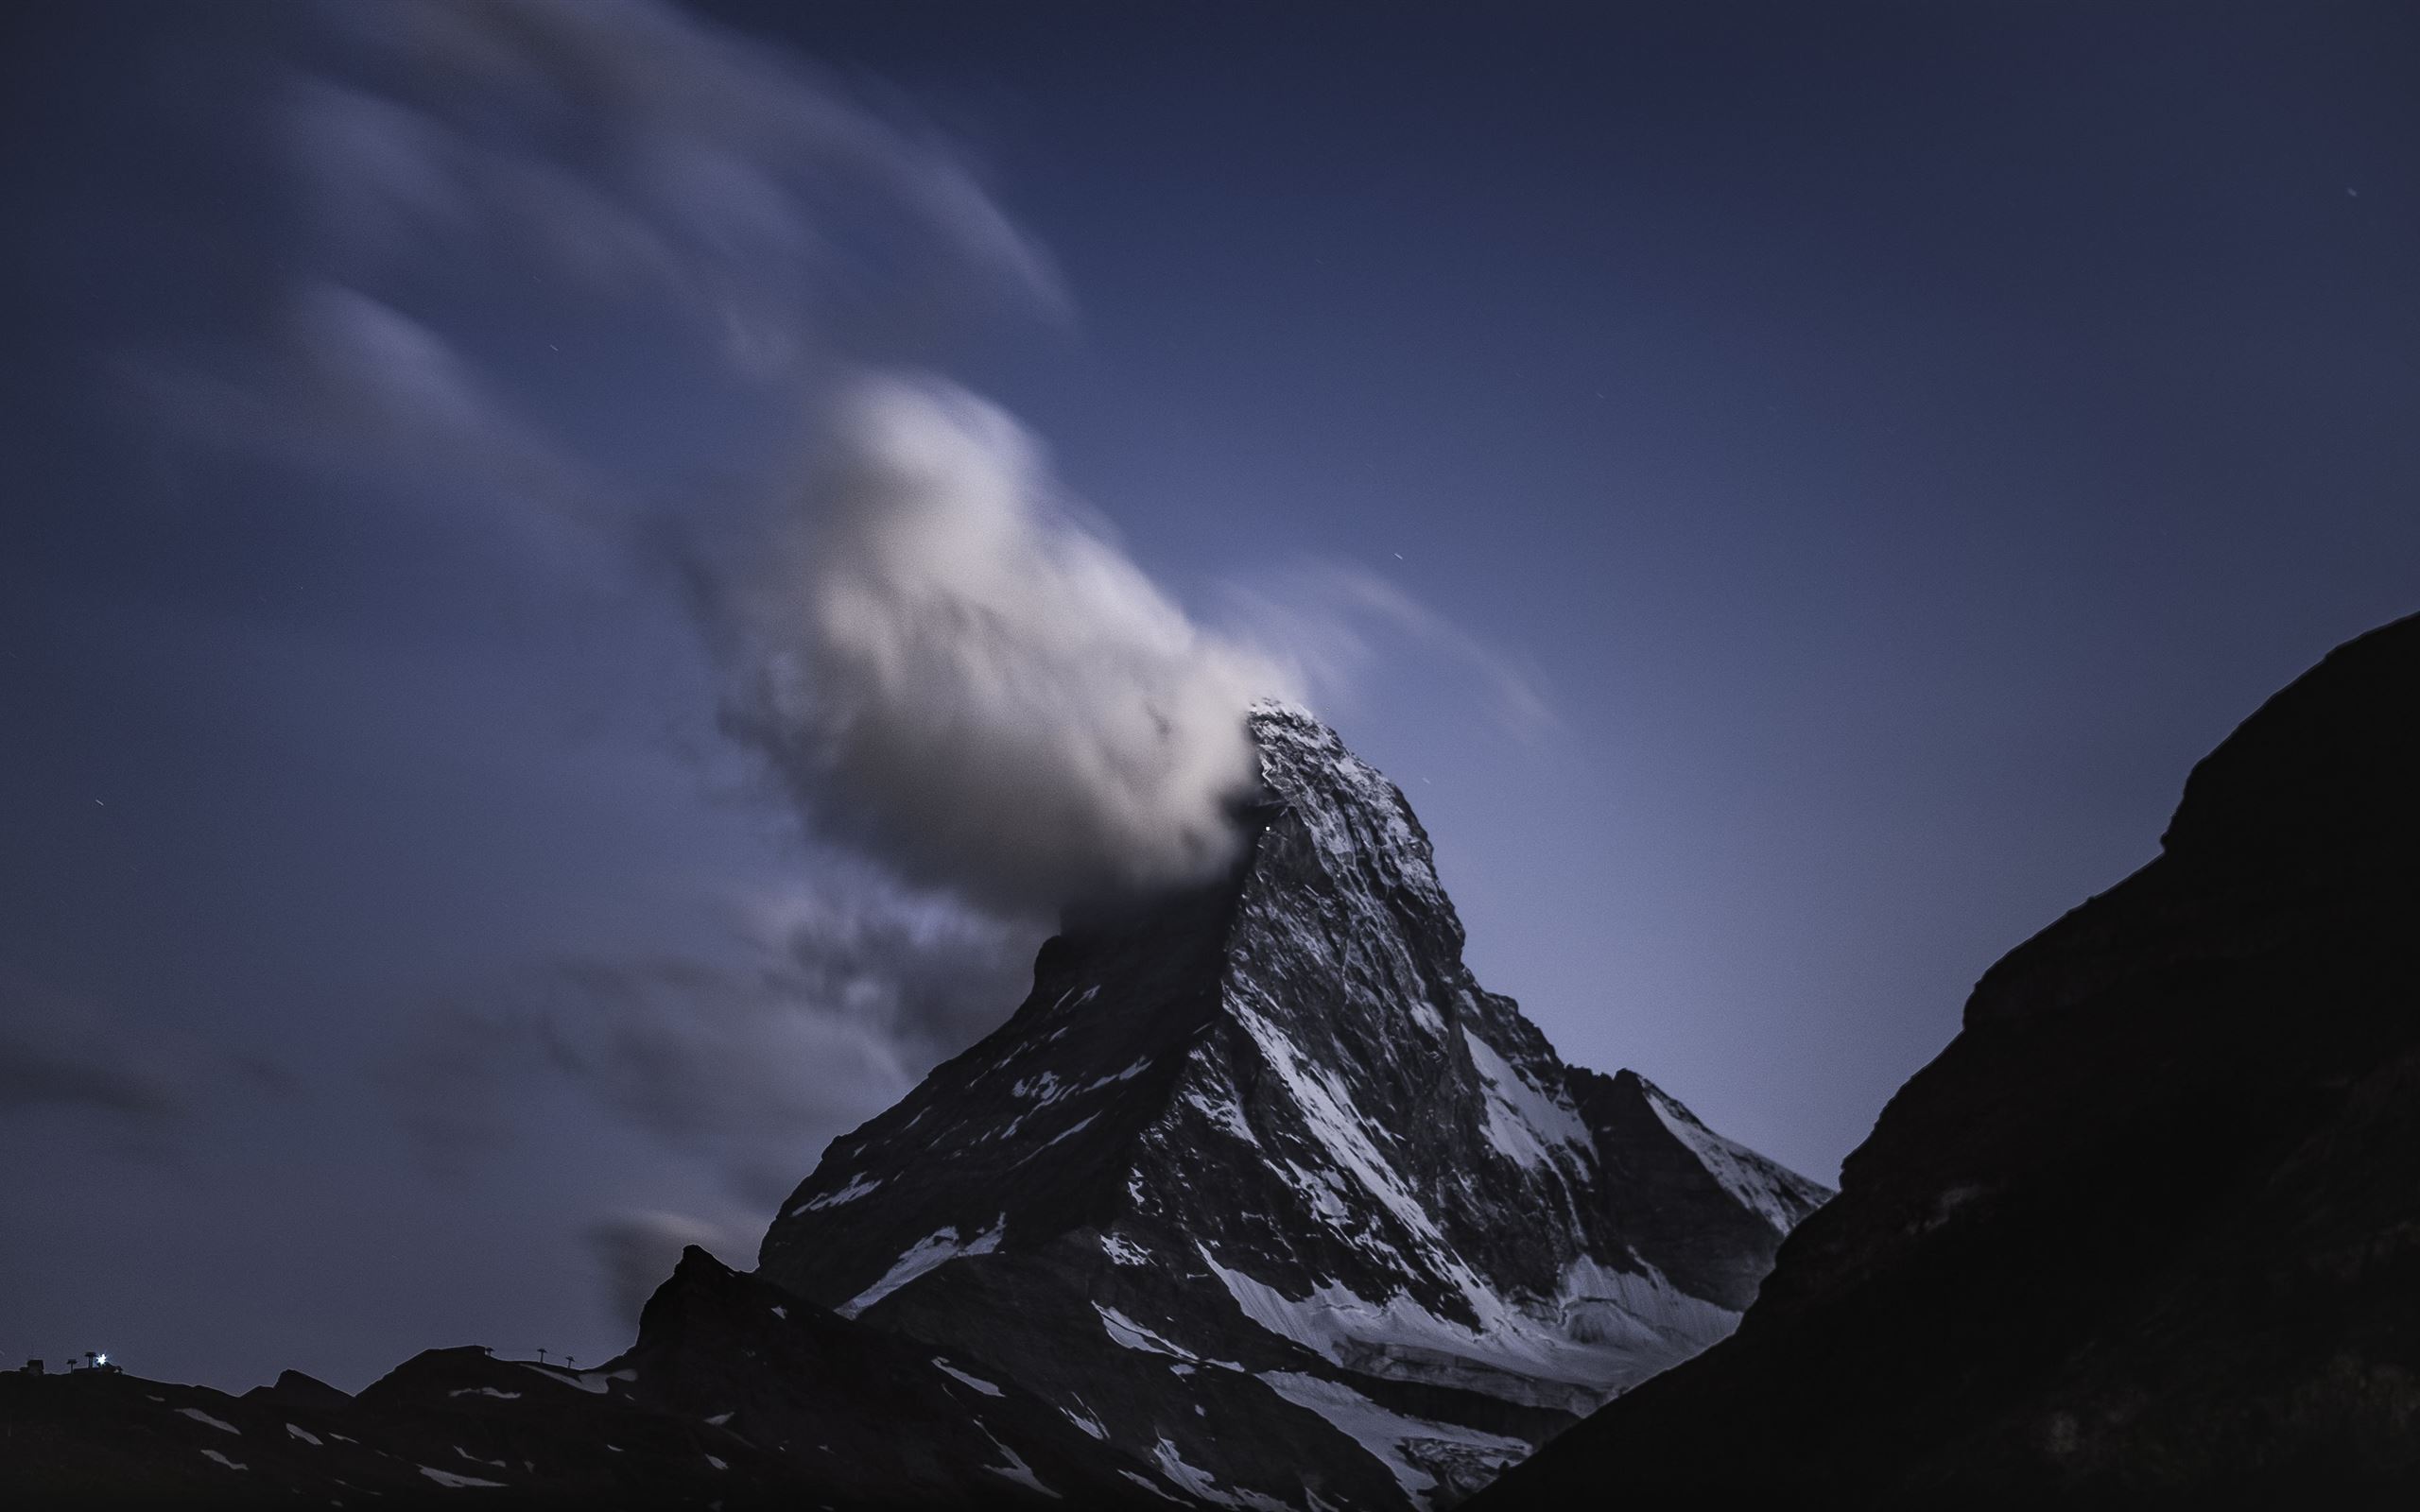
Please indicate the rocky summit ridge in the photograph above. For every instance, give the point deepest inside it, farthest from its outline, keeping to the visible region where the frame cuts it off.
(1260, 1186)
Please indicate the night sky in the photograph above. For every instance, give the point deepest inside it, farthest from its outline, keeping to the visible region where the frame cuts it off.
(1788, 491)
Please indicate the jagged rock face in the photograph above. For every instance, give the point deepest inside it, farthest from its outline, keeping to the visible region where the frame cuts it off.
(1705, 1211)
(2150, 1227)
(1261, 1187)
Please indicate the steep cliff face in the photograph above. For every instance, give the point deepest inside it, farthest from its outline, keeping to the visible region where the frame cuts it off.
(2150, 1224)
(1260, 1186)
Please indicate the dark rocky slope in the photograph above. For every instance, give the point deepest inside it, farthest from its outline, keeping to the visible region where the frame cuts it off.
(2150, 1227)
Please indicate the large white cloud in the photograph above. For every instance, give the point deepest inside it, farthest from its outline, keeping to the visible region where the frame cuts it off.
(948, 663)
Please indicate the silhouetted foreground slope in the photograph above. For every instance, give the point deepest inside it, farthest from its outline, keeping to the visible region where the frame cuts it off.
(736, 1395)
(2150, 1227)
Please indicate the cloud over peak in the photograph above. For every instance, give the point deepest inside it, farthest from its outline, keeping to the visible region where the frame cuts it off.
(945, 661)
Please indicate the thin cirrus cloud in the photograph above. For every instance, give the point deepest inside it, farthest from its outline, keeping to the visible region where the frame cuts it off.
(69, 1052)
(58, 1052)
(640, 156)
(1331, 622)
(839, 998)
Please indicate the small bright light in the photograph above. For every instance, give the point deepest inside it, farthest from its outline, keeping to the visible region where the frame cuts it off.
(100, 1359)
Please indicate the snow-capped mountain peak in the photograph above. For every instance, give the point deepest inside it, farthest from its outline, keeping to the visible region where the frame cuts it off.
(1259, 1164)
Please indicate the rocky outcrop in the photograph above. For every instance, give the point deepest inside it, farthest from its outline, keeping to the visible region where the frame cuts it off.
(2150, 1227)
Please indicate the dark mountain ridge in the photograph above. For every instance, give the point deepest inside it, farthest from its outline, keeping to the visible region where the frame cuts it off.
(2150, 1226)
(735, 1395)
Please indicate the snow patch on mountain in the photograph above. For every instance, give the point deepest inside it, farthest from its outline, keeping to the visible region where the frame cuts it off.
(1135, 1336)
(1205, 1487)
(933, 1249)
(1393, 1438)
(1069, 1132)
(1325, 1194)
(1524, 1122)
(1019, 1471)
(948, 1369)
(453, 1482)
(1222, 1114)
(1638, 1311)
(1328, 1112)
(859, 1186)
(1602, 1331)
(1152, 1487)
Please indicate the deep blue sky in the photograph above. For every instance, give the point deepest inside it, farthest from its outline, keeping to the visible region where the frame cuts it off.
(1898, 440)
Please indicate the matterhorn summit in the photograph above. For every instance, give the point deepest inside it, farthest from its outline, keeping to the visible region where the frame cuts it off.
(1265, 1195)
